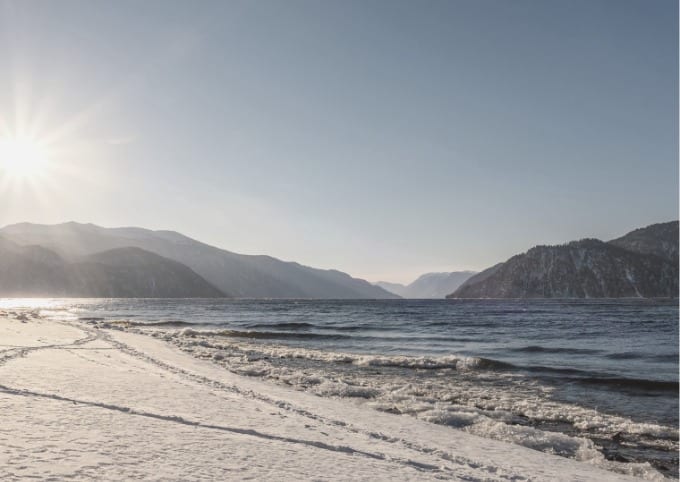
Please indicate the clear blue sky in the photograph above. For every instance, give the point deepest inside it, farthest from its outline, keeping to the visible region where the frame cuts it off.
(382, 138)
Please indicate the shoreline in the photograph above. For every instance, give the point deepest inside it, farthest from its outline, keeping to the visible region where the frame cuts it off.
(460, 393)
(84, 402)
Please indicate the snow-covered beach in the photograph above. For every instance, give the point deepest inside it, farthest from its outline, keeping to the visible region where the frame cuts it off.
(81, 402)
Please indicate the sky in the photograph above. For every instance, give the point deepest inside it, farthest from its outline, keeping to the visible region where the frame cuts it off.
(382, 138)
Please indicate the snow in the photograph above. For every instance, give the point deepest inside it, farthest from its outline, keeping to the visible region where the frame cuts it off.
(85, 403)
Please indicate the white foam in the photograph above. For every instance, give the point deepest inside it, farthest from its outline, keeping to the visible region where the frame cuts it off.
(342, 389)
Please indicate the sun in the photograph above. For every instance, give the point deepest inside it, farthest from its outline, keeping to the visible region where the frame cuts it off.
(22, 158)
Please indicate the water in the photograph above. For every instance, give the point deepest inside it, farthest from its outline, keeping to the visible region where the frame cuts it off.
(581, 378)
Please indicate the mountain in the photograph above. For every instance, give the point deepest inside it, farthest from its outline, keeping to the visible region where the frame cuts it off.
(243, 276)
(429, 285)
(658, 239)
(643, 263)
(396, 288)
(119, 273)
(437, 285)
(134, 272)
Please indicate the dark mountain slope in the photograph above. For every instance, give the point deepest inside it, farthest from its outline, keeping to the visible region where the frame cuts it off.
(121, 273)
(133, 272)
(643, 263)
(658, 239)
(31, 271)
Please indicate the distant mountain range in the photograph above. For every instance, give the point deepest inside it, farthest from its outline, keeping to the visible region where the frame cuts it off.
(643, 263)
(73, 259)
(84, 260)
(117, 273)
(429, 285)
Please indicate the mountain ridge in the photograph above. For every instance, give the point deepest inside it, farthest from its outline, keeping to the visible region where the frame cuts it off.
(239, 275)
(641, 263)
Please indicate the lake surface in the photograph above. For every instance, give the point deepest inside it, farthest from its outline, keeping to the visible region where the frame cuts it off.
(565, 376)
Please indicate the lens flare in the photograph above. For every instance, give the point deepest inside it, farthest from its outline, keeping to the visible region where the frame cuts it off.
(22, 158)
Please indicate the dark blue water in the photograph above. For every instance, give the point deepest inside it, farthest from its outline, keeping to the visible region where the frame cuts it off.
(611, 358)
(629, 339)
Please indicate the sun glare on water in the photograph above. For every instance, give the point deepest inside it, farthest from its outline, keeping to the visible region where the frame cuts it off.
(22, 158)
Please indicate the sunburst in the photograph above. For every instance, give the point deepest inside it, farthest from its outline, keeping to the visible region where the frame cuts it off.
(22, 158)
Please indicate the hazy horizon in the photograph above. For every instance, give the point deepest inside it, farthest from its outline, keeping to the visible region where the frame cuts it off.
(383, 139)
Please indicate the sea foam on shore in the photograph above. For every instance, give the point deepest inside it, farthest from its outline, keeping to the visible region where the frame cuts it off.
(466, 393)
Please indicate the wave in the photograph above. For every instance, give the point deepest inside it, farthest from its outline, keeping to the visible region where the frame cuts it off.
(633, 383)
(594, 378)
(432, 363)
(482, 363)
(284, 325)
(293, 334)
(628, 355)
(665, 358)
(458, 362)
(165, 323)
(453, 361)
(346, 328)
(631, 355)
(275, 335)
(547, 349)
